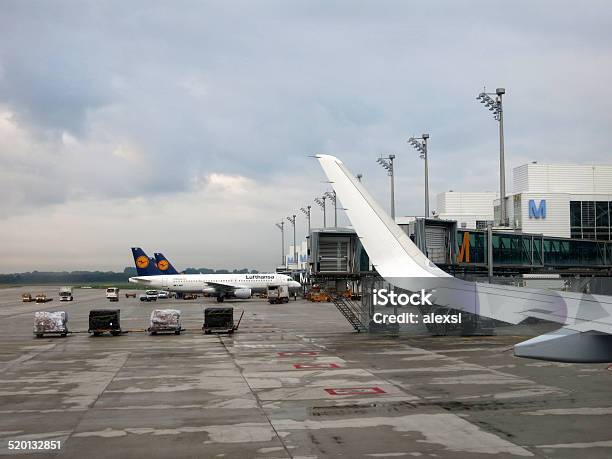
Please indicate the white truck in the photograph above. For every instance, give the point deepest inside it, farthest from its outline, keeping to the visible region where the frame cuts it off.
(65, 294)
(112, 294)
(278, 294)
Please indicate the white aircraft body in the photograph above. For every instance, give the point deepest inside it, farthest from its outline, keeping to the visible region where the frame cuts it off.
(220, 285)
(585, 319)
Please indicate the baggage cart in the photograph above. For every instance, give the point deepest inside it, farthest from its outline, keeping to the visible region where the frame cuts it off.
(165, 321)
(104, 320)
(219, 320)
(50, 323)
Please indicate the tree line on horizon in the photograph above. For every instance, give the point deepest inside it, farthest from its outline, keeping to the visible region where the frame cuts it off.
(70, 277)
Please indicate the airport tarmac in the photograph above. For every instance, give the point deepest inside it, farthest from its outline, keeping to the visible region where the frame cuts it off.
(294, 382)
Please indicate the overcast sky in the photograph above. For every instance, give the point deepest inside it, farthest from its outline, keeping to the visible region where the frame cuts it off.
(185, 127)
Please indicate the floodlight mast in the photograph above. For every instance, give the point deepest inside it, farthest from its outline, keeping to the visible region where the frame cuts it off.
(332, 196)
(281, 226)
(295, 260)
(420, 145)
(387, 163)
(496, 107)
(306, 212)
(321, 202)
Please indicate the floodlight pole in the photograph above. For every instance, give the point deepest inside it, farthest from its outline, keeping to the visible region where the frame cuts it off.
(295, 260)
(502, 160)
(387, 163)
(425, 137)
(496, 106)
(332, 195)
(281, 226)
(321, 202)
(420, 145)
(306, 212)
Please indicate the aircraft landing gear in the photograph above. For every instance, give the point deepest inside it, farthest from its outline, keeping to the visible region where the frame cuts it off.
(220, 298)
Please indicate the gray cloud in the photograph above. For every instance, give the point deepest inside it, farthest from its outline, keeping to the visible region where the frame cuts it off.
(121, 102)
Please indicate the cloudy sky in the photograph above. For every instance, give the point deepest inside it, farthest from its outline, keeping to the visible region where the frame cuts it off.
(185, 127)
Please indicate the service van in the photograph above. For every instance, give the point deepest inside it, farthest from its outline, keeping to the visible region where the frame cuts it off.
(112, 294)
(278, 294)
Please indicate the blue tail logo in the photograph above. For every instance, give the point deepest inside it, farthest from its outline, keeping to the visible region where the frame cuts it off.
(145, 266)
(164, 265)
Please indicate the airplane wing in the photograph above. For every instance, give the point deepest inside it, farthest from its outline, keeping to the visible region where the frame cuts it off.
(585, 335)
(225, 287)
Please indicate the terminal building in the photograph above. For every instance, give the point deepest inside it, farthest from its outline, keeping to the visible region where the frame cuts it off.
(556, 200)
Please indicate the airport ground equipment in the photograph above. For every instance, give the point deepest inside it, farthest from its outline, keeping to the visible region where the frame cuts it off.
(50, 323)
(27, 298)
(42, 298)
(189, 296)
(278, 294)
(130, 295)
(165, 321)
(220, 320)
(149, 295)
(65, 294)
(112, 294)
(349, 310)
(104, 320)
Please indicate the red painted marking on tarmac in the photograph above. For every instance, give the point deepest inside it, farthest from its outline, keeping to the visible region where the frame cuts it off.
(296, 353)
(314, 366)
(355, 391)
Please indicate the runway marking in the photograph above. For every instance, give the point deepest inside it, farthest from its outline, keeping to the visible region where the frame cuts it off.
(296, 353)
(312, 366)
(355, 391)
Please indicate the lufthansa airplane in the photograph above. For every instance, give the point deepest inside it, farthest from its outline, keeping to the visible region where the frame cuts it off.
(585, 333)
(159, 273)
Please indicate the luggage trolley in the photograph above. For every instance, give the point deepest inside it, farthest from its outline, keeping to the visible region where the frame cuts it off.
(220, 320)
(165, 321)
(50, 323)
(104, 320)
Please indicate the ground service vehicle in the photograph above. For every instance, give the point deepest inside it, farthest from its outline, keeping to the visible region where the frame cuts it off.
(149, 295)
(112, 294)
(130, 295)
(163, 295)
(278, 294)
(42, 298)
(65, 294)
(26, 298)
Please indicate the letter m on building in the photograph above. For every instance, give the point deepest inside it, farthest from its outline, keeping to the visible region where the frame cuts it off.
(535, 211)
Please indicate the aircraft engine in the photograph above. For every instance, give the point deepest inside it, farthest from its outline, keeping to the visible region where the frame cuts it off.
(242, 293)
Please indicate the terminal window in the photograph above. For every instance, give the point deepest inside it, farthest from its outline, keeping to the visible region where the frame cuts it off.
(590, 219)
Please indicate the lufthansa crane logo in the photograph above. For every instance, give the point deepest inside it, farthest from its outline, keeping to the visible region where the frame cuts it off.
(162, 264)
(142, 261)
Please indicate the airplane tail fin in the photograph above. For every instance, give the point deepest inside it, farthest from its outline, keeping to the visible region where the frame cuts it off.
(164, 265)
(145, 266)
